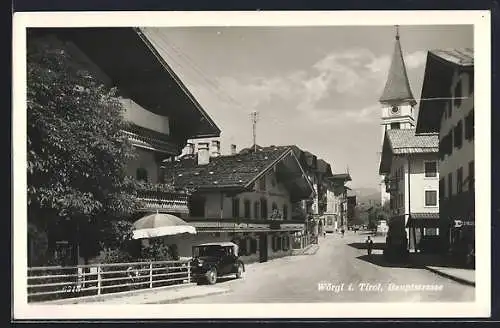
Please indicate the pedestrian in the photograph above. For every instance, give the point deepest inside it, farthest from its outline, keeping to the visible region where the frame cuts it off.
(369, 245)
(342, 231)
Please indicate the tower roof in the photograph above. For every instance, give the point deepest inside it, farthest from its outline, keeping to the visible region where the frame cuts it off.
(397, 88)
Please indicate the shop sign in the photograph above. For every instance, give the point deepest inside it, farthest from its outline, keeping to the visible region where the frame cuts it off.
(460, 223)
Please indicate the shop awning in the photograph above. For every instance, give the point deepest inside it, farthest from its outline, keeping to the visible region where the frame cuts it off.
(423, 220)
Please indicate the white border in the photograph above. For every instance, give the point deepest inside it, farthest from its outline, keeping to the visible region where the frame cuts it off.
(481, 21)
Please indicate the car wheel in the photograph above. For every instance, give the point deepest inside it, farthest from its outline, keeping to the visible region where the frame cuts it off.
(212, 276)
(239, 272)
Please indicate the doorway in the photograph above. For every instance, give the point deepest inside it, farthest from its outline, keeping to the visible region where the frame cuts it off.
(263, 247)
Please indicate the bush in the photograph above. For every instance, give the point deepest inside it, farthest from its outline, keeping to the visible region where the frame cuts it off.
(113, 256)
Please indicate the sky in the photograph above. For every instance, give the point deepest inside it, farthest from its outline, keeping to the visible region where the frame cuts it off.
(314, 87)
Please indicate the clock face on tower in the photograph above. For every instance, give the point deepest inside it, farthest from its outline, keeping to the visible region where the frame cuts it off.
(394, 110)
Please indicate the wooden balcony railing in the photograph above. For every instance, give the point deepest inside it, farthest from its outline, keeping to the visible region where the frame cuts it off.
(163, 201)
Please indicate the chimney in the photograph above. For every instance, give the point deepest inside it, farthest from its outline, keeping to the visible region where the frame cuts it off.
(203, 153)
(189, 149)
(215, 148)
(233, 149)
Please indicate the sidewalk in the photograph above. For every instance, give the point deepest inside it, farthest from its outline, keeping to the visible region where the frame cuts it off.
(161, 295)
(310, 249)
(443, 267)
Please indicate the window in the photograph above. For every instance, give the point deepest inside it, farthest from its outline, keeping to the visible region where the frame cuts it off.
(430, 198)
(460, 179)
(197, 206)
(395, 125)
(142, 174)
(243, 247)
(263, 208)
(256, 210)
(430, 169)
(458, 131)
(471, 82)
(236, 208)
(246, 205)
(253, 246)
(441, 188)
(285, 212)
(471, 175)
(457, 101)
(450, 185)
(469, 126)
(262, 183)
(446, 145)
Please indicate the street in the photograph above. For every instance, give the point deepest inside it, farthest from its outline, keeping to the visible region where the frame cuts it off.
(342, 269)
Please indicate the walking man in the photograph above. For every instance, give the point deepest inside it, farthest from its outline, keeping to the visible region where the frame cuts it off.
(369, 245)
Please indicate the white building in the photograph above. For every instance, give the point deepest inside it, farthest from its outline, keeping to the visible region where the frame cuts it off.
(409, 162)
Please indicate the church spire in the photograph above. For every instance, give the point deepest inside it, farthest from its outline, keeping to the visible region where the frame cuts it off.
(397, 88)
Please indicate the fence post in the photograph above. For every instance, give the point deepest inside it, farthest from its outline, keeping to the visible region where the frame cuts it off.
(98, 280)
(150, 274)
(189, 272)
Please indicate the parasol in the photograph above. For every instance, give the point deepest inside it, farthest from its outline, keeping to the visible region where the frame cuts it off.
(160, 224)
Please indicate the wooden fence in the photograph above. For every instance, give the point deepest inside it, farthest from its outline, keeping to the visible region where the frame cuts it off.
(59, 282)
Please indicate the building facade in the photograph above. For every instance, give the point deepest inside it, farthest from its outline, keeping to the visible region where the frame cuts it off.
(449, 79)
(160, 122)
(336, 209)
(248, 198)
(409, 163)
(397, 103)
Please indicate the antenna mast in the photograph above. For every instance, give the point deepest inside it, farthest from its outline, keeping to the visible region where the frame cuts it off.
(255, 117)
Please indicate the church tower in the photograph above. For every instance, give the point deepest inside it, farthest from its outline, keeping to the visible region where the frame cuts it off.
(397, 100)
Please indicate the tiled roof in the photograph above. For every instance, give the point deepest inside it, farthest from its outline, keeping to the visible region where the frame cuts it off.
(461, 57)
(405, 141)
(233, 171)
(397, 88)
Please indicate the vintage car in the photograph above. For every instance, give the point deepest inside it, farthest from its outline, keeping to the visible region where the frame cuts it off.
(213, 260)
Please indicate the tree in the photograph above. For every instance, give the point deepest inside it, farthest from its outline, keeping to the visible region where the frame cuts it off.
(77, 153)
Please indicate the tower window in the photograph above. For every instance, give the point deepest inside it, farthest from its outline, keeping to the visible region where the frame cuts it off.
(395, 125)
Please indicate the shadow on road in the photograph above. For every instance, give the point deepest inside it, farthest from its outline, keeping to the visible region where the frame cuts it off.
(414, 261)
(363, 245)
(379, 259)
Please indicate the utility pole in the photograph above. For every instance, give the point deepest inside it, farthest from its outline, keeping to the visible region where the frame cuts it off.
(255, 117)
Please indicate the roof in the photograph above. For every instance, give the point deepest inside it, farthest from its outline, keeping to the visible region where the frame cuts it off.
(397, 89)
(142, 74)
(403, 142)
(237, 172)
(439, 69)
(224, 243)
(459, 57)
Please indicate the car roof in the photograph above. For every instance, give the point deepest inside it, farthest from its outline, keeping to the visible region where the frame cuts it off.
(226, 243)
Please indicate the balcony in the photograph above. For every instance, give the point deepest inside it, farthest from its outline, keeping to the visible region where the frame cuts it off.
(148, 139)
(209, 224)
(391, 185)
(162, 198)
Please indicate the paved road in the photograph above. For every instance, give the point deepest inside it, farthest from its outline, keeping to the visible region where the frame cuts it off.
(340, 262)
